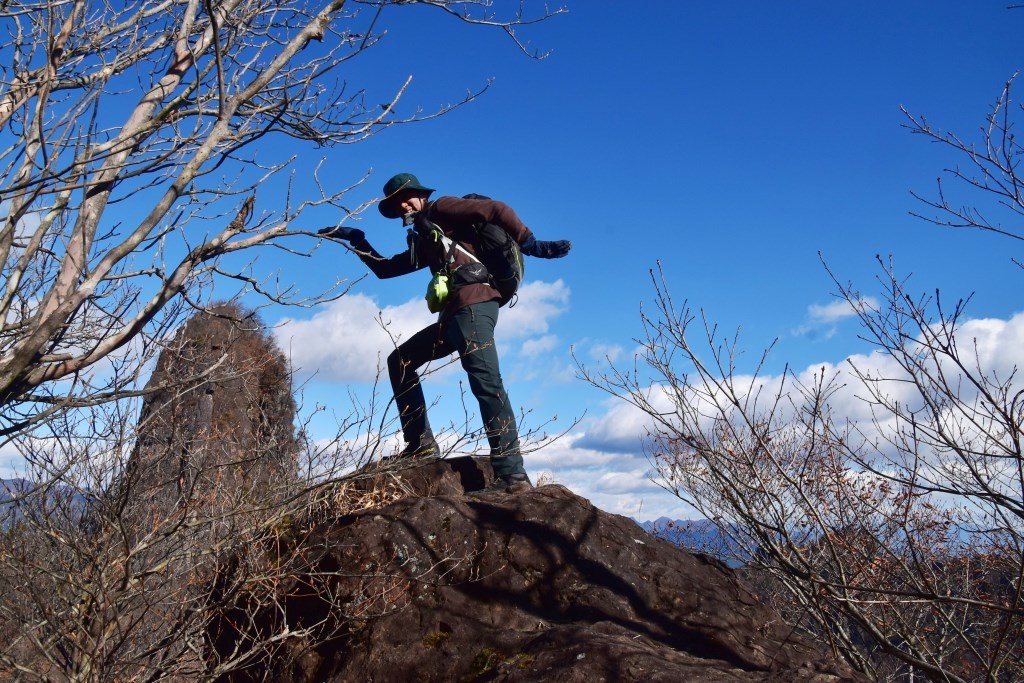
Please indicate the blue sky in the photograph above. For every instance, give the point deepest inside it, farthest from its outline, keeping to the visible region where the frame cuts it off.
(731, 141)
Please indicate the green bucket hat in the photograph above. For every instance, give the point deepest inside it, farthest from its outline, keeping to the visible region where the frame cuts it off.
(398, 183)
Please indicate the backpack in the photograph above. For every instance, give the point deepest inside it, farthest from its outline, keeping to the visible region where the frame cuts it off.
(500, 253)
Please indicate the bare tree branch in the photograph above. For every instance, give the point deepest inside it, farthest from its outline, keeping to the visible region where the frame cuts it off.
(143, 107)
(898, 538)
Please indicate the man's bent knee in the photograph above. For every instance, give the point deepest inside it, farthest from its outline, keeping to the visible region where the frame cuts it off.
(397, 367)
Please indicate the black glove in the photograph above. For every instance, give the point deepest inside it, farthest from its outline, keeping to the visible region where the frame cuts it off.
(534, 247)
(340, 233)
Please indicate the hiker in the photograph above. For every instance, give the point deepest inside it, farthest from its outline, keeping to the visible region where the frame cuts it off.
(444, 236)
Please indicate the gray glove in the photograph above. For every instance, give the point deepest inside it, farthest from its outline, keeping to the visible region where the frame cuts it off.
(340, 233)
(534, 247)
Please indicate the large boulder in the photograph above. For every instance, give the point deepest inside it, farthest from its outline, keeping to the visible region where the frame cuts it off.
(538, 586)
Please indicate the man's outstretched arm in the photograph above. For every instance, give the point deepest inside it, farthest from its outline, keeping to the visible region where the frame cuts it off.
(399, 264)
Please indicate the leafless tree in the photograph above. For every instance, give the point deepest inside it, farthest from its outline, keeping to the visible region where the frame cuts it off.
(894, 530)
(133, 148)
(129, 170)
(989, 167)
(161, 538)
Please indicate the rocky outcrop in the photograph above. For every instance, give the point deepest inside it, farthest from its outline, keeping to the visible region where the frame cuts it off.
(218, 413)
(444, 585)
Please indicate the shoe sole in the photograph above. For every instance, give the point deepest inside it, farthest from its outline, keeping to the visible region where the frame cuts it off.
(517, 487)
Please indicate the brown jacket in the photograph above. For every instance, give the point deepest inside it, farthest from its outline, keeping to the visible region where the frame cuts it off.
(456, 218)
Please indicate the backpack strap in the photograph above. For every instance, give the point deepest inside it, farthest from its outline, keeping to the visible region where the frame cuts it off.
(450, 245)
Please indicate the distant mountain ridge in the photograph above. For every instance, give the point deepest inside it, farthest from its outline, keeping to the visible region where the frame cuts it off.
(698, 535)
(11, 488)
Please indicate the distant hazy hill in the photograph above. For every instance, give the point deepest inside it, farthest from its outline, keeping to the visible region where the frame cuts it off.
(72, 502)
(10, 488)
(700, 535)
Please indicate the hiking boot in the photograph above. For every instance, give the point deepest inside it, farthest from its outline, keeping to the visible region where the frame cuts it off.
(510, 483)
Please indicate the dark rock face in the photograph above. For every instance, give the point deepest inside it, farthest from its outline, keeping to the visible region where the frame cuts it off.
(218, 412)
(539, 586)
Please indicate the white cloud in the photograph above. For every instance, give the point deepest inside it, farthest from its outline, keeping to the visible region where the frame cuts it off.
(624, 426)
(999, 343)
(605, 352)
(539, 345)
(539, 302)
(830, 313)
(822, 319)
(623, 482)
(28, 223)
(617, 482)
(539, 358)
(348, 340)
(996, 346)
(11, 463)
(566, 453)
